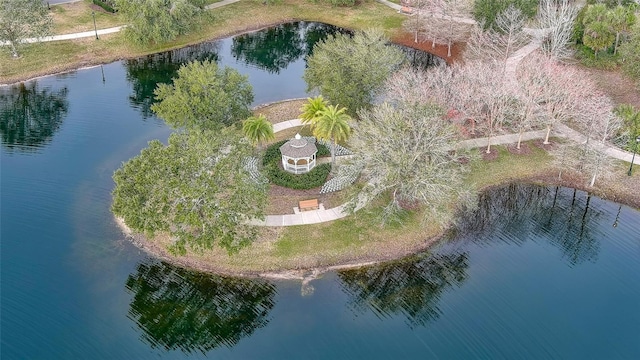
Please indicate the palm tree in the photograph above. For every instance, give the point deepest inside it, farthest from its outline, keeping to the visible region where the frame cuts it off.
(312, 109)
(621, 19)
(331, 125)
(257, 129)
(631, 118)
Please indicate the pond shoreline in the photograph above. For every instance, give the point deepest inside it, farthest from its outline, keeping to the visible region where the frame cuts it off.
(94, 62)
(156, 250)
(544, 178)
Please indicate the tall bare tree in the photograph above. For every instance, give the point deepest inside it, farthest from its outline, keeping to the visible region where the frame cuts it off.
(481, 94)
(556, 88)
(556, 19)
(500, 41)
(416, 23)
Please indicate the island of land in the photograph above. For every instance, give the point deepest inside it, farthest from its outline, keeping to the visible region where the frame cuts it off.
(355, 240)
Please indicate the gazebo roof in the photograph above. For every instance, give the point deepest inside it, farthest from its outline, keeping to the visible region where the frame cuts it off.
(298, 148)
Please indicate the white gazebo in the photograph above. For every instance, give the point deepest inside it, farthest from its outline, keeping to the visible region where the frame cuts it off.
(298, 155)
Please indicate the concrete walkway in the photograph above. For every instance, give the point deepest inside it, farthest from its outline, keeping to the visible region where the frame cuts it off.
(219, 4)
(106, 31)
(79, 35)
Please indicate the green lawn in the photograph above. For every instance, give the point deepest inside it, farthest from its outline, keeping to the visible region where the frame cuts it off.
(77, 17)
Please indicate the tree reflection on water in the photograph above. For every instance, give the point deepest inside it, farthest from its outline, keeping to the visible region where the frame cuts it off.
(147, 72)
(270, 49)
(274, 48)
(30, 115)
(563, 215)
(182, 310)
(410, 287)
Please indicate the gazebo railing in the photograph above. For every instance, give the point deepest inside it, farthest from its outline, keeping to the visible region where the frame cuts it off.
(300, 169)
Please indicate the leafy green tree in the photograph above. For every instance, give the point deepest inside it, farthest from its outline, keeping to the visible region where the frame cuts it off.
(351, 70)
(332, 125)
(595, 12)
(196, 189)
(147, 72)
(258, 129)
(598, 36)
(312, 109)
(23, 19)
(158, 21)
(204, 97)
(183, 310)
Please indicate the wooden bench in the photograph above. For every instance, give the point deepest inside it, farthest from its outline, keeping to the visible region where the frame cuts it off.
(305, 205)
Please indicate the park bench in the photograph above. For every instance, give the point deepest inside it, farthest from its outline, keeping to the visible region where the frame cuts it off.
(305, 205)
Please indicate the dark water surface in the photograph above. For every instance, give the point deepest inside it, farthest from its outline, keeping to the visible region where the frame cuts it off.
(537, 273)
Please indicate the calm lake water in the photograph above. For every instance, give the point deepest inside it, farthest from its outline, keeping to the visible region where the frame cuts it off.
(536, 273)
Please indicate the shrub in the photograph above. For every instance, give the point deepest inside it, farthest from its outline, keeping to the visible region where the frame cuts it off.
(605, 60)
(107, 5)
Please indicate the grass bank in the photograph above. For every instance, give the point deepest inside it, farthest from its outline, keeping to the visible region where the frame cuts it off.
(247, 15)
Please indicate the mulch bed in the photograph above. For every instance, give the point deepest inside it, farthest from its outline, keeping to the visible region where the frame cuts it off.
(524, 149)
(488, 156)
(439, 50)
(539, 143)
(282, 200)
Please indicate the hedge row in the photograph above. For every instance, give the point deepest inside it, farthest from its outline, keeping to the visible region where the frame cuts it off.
(106, 5)
(314, 178)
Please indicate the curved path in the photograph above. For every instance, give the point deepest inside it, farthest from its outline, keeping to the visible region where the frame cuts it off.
(106, 31)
